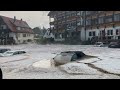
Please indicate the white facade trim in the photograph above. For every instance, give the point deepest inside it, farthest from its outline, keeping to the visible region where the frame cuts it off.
(106, 29)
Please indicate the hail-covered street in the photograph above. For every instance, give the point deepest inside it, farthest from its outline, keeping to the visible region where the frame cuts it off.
(35, 64)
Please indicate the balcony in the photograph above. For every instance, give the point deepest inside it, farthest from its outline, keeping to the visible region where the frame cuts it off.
(52, 23)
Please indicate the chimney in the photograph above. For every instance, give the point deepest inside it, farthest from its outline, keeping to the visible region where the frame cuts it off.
(14, 18)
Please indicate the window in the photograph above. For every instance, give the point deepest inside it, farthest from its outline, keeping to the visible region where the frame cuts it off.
(88, 12)
(88, 22)
(117, 31)
(109, 19)
(90, 33)
(110, 32)
(101, 20)
(24, 35)
(94, 33)
(118, 37)
(94, 21)
(116, 17)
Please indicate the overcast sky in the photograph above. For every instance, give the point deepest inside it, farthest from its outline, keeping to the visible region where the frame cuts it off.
(33, 18)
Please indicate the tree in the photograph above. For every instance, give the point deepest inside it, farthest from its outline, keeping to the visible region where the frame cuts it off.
(37, 30)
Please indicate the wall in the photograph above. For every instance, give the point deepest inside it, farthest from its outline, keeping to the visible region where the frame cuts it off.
(18, 37)
(21, 39)
(82, 34)
(98, 31)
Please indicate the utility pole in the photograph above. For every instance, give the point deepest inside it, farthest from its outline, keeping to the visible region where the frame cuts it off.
(85, 23)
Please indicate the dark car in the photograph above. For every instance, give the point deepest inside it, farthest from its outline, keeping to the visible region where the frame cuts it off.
(1, 76)
(114, 45)
(68, 56)
(4, 50)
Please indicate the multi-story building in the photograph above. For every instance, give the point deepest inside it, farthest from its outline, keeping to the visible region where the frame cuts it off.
(104, 25)
(14, 31)
(86, 25)
(65, 24)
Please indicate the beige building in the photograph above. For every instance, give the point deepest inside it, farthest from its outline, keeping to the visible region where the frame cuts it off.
(13, 31)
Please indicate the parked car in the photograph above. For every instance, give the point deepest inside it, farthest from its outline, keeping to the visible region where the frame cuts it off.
(100, 44)
(68, 56)
(4, 50)
(11, 53)
(1, 75)
(114, 45)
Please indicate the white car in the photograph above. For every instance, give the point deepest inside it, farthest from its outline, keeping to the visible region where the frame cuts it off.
(68, 56)
(100, 44)
(11, 53)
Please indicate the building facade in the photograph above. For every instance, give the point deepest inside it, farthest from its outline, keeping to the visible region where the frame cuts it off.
(86, 25)
(13, 31)
(65, 24)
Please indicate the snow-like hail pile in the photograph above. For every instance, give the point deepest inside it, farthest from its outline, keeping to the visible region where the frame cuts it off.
(78, 68)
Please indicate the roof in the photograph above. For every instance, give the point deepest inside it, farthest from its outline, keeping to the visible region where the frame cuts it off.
(18, 23)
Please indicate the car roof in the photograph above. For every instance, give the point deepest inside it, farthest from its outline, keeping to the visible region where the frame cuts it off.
(71, 52)
(16, 51)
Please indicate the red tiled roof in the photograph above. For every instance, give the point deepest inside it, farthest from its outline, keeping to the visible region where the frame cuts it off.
(18, 23)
